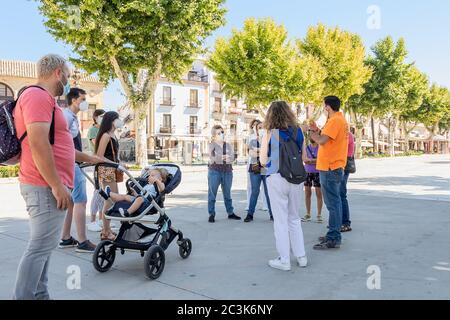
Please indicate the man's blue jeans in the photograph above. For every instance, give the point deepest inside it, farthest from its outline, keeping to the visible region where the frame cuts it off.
(331, 188)
(225, 180)
(255, 181)
(345, 208)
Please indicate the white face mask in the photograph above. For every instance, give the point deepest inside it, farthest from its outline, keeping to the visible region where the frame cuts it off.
(261, 132)
(84, 106)
(118, 124)
(220, 137)
(99, 120)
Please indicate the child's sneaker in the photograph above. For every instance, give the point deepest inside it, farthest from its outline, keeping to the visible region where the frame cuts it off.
(123, 212)
(105, 193)
(319, 219)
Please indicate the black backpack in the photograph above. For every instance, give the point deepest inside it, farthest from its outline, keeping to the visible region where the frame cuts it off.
(291, 162)
(10, 145)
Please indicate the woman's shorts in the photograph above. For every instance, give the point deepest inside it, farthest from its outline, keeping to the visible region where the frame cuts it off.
(312, 179)
(106, 174)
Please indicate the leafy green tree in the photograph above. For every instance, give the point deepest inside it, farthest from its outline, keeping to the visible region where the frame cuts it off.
(435, 109)
(417, 87)
(342, 54)
(387, 93)
(135, 41)
(260, 65)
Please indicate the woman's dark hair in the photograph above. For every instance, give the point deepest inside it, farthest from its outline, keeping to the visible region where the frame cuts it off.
(280, 116)
(255, 122)
(105, 126)
(97, 112)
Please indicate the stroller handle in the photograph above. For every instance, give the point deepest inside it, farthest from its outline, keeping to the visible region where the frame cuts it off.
(102, 164)
(116, 166)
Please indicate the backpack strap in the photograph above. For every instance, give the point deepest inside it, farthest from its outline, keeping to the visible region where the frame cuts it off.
(52, 124)
(294, 135)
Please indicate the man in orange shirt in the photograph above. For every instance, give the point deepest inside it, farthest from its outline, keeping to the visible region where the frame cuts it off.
(331, 161)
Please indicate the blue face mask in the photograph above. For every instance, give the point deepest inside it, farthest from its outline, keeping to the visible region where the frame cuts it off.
(66, 87)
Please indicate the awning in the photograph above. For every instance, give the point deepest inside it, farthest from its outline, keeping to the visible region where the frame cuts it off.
(366, 144)
(439, 138)
(382, 143)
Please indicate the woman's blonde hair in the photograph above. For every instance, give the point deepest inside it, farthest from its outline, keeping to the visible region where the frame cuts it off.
(280, 116)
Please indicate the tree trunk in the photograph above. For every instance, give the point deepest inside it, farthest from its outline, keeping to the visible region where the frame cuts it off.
(392, 129)
(140, 118)
(359, 127)
(406, 131)
(372, 127)
(261, 112)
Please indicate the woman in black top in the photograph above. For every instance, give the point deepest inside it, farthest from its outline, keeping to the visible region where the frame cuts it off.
(107, 145)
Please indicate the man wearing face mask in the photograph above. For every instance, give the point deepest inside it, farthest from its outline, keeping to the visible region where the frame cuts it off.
(46, 171)
(76, 101)
(331, 161)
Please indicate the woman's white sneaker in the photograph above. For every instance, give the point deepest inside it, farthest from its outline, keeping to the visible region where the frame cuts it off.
(302, 262)
(278, 264)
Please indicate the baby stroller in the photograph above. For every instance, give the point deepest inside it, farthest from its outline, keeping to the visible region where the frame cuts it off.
(133, 234)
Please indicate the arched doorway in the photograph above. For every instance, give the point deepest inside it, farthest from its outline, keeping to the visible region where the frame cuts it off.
(6, 93)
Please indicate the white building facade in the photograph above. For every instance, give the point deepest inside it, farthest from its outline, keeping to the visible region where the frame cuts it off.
(186, 112)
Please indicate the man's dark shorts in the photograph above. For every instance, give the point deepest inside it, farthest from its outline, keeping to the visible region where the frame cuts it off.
(312, 180)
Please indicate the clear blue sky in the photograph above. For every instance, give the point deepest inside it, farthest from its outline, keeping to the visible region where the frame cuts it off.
(425, 24)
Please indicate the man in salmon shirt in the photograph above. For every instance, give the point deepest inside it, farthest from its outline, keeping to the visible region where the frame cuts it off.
(46, 172)
(331, 161)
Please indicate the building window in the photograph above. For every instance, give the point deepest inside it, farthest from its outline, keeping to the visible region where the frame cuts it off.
(167, 96)
(233, 104)
(6, 93)
(218, 105)
(217, 87)
(193, 101)
(167, 122)
(233, 128)
(193, 124)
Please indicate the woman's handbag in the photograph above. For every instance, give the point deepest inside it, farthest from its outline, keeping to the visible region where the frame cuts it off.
(119, 174)
(256, 167)
(351, 165)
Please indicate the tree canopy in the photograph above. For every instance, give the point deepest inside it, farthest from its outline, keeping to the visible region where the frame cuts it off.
(342, 54)
(260, 65)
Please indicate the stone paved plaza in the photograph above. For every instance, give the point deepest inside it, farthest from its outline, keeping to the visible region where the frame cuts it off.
(401, 218)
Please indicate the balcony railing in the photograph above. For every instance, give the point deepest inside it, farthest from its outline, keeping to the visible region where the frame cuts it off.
(168, 102)
(194, 104)
(194, 130)
(233, 110)
(166, 129)
(193, 76)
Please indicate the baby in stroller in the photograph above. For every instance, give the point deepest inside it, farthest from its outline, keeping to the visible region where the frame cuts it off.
(157, 178)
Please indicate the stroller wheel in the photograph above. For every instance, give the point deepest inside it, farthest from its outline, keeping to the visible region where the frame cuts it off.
(185, 248)
(104, 256)
(154, 262)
